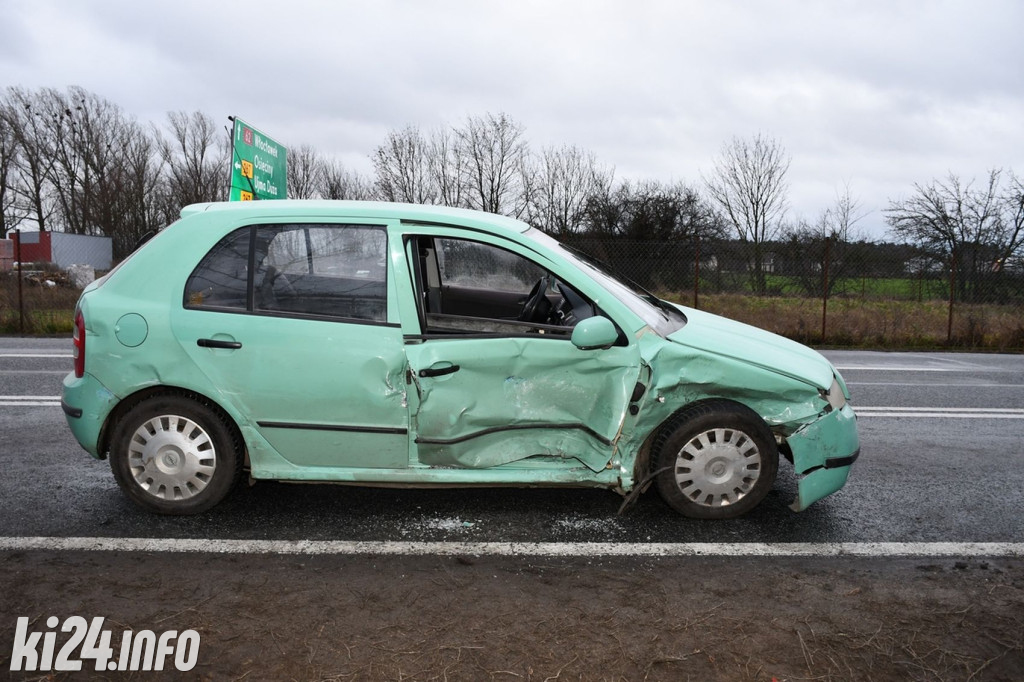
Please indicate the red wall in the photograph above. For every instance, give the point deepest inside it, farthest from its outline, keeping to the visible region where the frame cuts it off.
(31, 253)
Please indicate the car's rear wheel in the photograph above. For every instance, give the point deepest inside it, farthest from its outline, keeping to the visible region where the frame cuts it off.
(174, 455)
(715, 460)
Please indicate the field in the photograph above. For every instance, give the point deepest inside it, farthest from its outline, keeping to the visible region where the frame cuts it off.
(899, 288)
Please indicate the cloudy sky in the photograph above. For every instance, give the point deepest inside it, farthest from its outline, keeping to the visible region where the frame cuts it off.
(874, 95)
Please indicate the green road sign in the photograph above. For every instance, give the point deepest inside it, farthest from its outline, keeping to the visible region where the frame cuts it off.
(258, 166)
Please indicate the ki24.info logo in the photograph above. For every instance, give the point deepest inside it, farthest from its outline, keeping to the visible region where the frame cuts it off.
(144, 650)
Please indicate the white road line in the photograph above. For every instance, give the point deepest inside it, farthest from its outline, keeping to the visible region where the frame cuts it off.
(29, 401)
(36, 355)
(551, 549)
(896, 368)
(941, 412)
(30, 397)
(923, 384)
(33, 371)
(1014, 410)
(939, 415)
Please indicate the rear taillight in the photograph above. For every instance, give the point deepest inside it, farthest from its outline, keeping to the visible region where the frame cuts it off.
(79, 342)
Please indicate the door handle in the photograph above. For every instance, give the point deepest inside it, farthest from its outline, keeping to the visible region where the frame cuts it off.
(218, 343)
(439, 372)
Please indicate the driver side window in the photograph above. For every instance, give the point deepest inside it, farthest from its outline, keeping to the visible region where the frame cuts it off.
(474, 265)
(468, 287)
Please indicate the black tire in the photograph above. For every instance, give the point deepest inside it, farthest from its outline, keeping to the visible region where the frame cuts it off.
(175, 455)
(715, 460)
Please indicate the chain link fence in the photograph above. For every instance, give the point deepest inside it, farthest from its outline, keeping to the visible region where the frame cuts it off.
(828, 291)
(817, 291)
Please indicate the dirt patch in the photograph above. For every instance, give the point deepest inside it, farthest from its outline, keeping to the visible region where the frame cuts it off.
(489, 618)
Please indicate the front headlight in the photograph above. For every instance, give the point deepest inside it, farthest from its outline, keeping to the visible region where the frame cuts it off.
(834, 395)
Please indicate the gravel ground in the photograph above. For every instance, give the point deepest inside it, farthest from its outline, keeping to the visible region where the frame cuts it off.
(525, 618)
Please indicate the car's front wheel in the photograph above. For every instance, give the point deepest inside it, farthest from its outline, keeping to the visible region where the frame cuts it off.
(174, 455)
(715, 460)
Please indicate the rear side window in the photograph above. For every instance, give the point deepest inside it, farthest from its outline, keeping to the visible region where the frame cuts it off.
(222, 278)
(322, 271)
(329, 271)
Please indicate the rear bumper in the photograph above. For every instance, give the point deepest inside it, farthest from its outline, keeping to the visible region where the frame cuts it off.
(86, 404)
(823, 453)
(69, 411)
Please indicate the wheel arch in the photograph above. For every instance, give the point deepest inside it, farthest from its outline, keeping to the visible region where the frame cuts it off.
(716, 478)
(130, 401)
(643, 467)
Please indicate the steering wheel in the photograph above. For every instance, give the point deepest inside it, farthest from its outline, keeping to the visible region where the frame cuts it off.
(533, 299)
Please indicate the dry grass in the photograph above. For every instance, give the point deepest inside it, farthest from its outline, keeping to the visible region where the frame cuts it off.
(876, 324)
(47, 309)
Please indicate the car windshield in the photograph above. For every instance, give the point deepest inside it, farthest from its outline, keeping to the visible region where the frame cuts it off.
(661, 316)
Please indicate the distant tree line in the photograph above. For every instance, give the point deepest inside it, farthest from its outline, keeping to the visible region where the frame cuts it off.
(73, 161)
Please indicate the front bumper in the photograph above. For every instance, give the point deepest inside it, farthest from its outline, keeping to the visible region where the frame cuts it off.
(86, 404)
(823, 453)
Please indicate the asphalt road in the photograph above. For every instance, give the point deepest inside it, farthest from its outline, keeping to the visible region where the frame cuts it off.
(942, 447)
(942, 461)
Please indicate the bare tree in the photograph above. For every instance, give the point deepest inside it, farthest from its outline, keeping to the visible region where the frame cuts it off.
(82, 165)
(198, 159)
(402, 168)
(337, 182)
(565, 179)
(495, 166)
(606, 211)
(482, 165)
(84, 134)
(650, 211)
(820, 254)
(33, 162)
(305, 173)
(749, 184)
(974, 228)
(10, 213)
(1013, 200)
(446, 163)
(132, 195)
(839, 221)
(649, 231)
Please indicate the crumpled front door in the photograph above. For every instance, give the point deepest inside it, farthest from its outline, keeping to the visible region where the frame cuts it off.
(493, 401)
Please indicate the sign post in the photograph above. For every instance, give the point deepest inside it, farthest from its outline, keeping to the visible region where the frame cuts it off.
(258, 165)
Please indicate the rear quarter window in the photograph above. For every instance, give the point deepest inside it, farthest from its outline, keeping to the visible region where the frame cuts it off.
(221, 280)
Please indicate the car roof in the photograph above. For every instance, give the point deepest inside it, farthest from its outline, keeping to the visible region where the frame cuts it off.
(410, 213)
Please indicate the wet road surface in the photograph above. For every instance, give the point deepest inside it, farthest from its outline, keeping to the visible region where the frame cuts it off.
(942, 461)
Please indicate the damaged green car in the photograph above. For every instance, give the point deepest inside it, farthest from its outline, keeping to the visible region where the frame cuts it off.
(390, 344)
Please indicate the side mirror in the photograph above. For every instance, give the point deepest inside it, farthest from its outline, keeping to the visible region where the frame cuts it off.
(593, 333)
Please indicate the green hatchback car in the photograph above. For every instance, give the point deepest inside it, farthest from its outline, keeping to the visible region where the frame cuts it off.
(414, 346)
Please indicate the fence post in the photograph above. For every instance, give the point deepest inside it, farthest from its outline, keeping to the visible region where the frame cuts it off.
(952, 294)
(696, 273)
(824, 287)
(21, 301)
